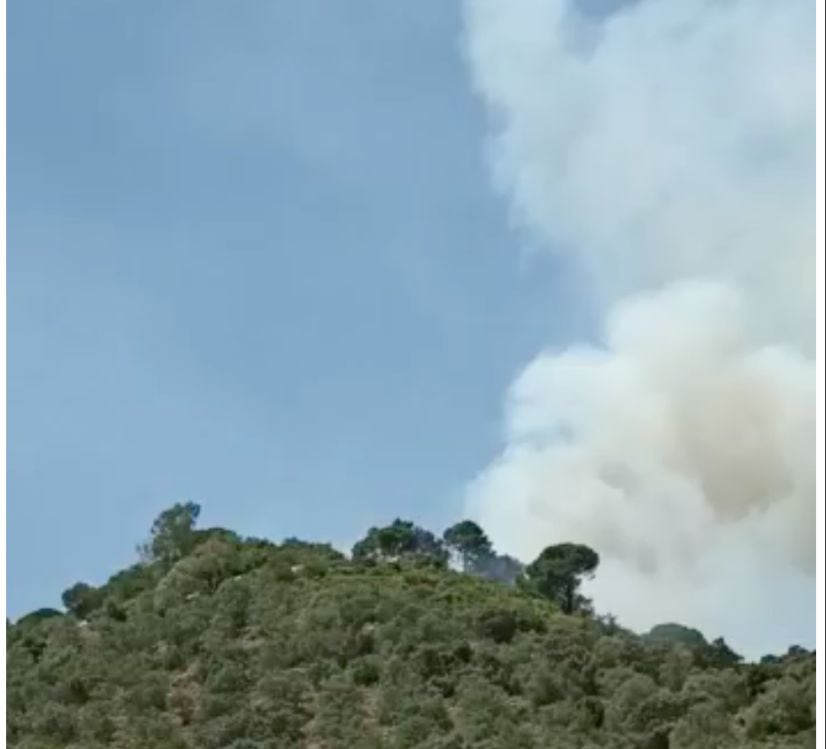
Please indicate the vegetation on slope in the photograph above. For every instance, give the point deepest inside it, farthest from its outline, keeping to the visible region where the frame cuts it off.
(218, 642)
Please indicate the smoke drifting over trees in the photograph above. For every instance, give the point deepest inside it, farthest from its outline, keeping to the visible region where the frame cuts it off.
(670, 146)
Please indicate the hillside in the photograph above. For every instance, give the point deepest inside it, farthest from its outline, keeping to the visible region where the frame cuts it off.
(220, 642)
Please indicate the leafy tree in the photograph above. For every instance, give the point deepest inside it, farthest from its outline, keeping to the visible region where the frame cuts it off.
(82, 599)
(673, 634)
(173, 534)
(470, 543)
(40, 615)
(401, 539)
(558, 572)
(720, 654)
(221, 534)
(130, 582)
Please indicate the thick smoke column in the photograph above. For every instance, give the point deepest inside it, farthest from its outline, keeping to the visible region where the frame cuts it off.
(670, 145)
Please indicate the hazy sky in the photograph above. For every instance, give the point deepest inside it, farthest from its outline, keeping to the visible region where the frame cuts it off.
(316, 265)
(254, 261)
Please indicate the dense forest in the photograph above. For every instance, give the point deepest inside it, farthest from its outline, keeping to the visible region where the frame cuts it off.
(219, 642)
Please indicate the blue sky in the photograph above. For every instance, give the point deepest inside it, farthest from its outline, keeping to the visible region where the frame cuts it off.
(254, 261)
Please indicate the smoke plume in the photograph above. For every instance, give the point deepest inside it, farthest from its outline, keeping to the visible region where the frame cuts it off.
(671, 146)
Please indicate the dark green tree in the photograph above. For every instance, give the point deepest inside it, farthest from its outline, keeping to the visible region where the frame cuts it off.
(400, 540)
(130, 582)
(82, 599)
(720, 654)
(173, 534)
(37, 616)
(558, 572)
(470, 543)
(429, 546)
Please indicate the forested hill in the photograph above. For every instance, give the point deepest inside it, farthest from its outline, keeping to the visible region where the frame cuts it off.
(218, 642)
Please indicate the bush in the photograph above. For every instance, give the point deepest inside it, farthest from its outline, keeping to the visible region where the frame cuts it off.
(785, 709)
(499, 626)
(367, 671)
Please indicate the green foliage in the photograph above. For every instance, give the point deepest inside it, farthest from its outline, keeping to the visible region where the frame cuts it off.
(720, 654)
(131, 582)
(245, 644)
(82, 599)
(470, 543)
(220, 534)
(714, 654)
(400, 540)
(785, 709)
(672, 634)
(558, 572)
(173, 534)
(36, 617)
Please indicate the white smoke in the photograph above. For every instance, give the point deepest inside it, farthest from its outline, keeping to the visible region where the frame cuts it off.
(670, 145)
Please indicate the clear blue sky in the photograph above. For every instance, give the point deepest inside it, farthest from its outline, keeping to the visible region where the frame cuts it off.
(254, 261)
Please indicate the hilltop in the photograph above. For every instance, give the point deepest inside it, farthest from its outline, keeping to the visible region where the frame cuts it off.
(218, 642)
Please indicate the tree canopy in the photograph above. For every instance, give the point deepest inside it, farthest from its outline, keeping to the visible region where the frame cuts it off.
(173, 534)
(672, 633)
(249, 644)
(81, 599)
(470, 543)
(558, 572)
(402, 539)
